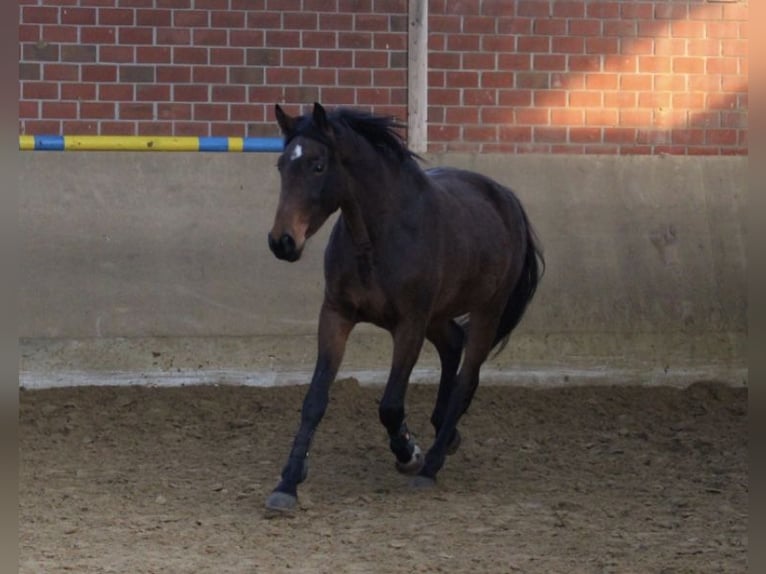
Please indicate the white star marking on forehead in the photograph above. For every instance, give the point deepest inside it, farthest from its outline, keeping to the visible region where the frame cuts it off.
(297, 152)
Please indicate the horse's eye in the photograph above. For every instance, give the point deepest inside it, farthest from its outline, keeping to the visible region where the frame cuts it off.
(318, 167)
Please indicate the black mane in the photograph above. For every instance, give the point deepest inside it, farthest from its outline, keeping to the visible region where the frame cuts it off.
(380, 131)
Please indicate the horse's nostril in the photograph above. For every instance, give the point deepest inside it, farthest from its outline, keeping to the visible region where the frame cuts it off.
(288, 243)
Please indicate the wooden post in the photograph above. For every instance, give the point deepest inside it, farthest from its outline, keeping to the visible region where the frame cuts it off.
(417, 76)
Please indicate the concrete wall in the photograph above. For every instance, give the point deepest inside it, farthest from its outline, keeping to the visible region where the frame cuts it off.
(154, 267)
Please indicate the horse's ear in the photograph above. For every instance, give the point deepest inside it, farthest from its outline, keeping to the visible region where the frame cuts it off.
(286, 123)
(320, 119)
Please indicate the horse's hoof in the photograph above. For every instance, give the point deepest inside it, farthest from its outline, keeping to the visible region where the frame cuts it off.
(415, 463)
(454, 443)
(421, 481)
(280, 503)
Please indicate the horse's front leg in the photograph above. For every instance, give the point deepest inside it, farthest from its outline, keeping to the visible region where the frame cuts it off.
(408, 341)
(334, 329)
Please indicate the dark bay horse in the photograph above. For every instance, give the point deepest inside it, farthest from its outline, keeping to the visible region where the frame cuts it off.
(443, 254)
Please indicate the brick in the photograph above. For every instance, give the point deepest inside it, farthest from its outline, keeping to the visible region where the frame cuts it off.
(569, 9)
(59, 110)
(654, 64)
(720, 101)
(79, 16)
(65, 34)
(669, 47)
(687, 29)
(153, 93)
(190, 55)
(78, 91)
(97, 110)
(601, 81)
(137, 74)
(192, 129)
(444, 61)
(116, 54)
(620, 99)
(620, 28)
(116, 17)
(98, 35)
(585, 27)
(550, 98)
(115, 92)
(682, 65)
(734, 48)
(479, 133)
(39, 15)
(40, 52)
(391, 78)
(539, 44)
(462, 79)
(690, 101)
(61, 72)
(637, 10)
(246, 113)
(135, 35)
(531, 116)
(585, 99)
(153, 55)
(227, 19)
(705, 83)
(688, 136)
(39, 90)
(584, 63)
(549, 62)
(99, 73)
(568, 45)
(567, 117)
(509, 62)
(319, 76)
(281, 39)
(29, 71)
(245, 75)
(620, 63)
(331, 40)
(619, 135)
(191, 18)
(601, 45)
(135, 111)
(722, 29)
(29, 109)
(229, 93)
(497, 8)
(301, 94)
(41, 127)
(283, 76)
(495, 80)
(190, 93)
(79, 127)
(498, 43)
(515, 98)
(654, 100)
(210, 112)
(174, 111)
(208, 75)
(336, 59)
(154, 17)
(671, 11)
(635, 118)
(477, 24)
(211, 37)
(637, 46)
(602, 117)
(549, 27)
(705, 119)
(532, 8)
(154, 128)
(348, 40)
(263, 57)
(299, 21)
(173, 36)
(519, 26)
(585, 134)
(734, 84)
(444, 97)
(465, 115)
(264, 20)
(482, 61)
(227, 56)
(549, 134)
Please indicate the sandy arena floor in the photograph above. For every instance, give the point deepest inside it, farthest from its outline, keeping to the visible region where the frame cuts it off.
(584, 479)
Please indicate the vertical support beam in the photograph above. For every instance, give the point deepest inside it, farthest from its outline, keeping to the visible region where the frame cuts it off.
(417, 76)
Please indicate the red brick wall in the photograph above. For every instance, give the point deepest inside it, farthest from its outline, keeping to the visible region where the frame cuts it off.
(560, 76)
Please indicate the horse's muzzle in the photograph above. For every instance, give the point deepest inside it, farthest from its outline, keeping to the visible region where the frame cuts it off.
(284, 248)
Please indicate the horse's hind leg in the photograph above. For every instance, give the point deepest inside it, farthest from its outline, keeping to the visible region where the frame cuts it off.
(408, 341)
(477, 348)
(448, 338)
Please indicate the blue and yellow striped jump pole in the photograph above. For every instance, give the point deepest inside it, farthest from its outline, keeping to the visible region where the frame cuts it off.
(149, 143)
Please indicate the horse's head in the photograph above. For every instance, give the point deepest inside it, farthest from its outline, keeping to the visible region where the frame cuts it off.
(309, 188)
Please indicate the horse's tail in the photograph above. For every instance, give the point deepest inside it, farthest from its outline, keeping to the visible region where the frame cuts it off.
(526, 285)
